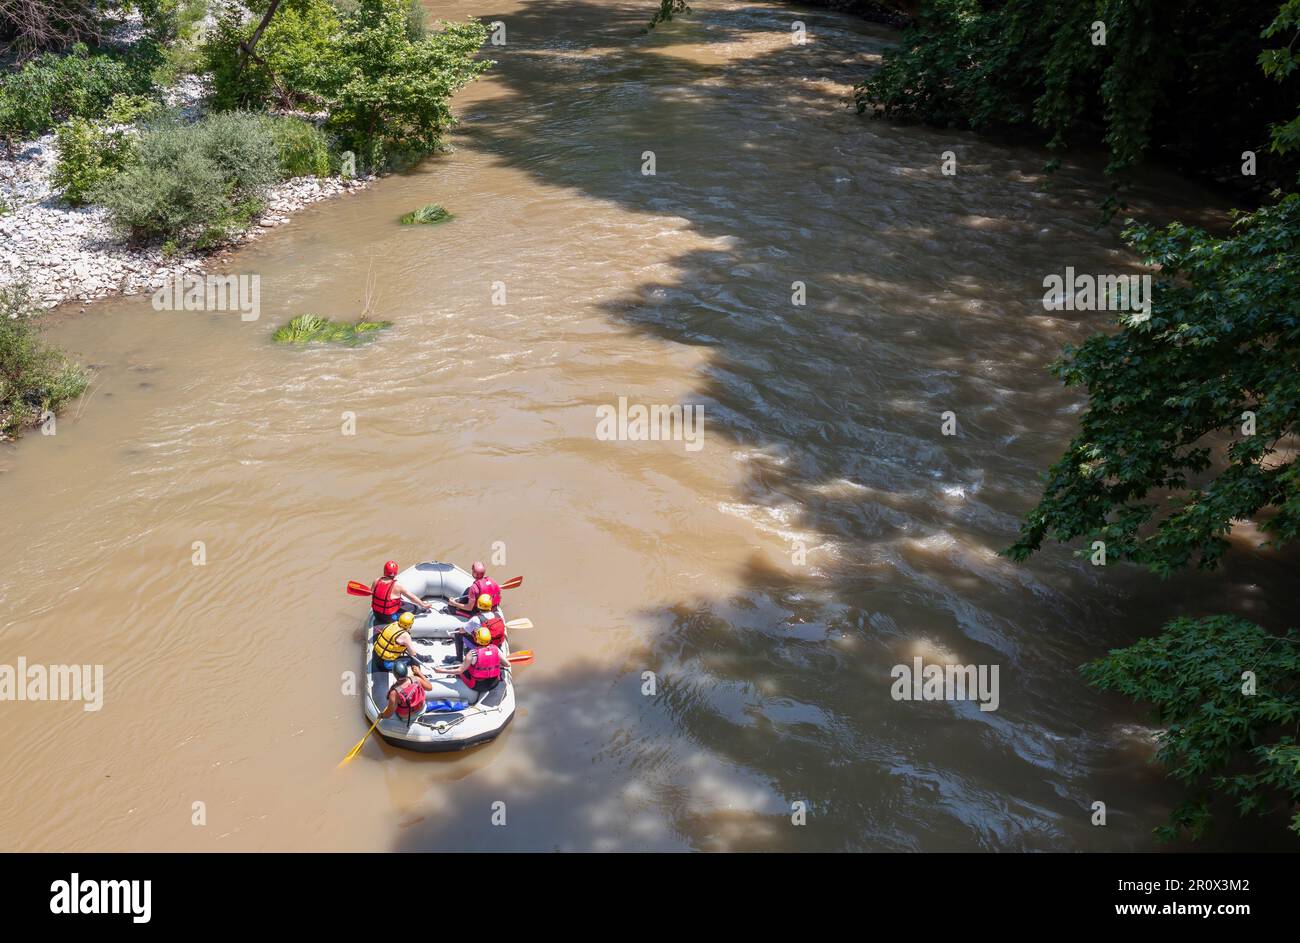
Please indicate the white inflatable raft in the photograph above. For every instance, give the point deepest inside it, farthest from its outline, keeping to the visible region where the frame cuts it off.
(485, 715)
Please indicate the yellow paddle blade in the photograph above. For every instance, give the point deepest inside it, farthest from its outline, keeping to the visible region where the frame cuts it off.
(357, 749)
(519, 624)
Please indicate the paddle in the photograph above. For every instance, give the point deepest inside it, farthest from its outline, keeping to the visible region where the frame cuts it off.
(513, 583)
(519, 624)
(360, 743)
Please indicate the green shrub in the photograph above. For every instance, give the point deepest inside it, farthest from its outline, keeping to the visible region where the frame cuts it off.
(33, 377)
(303, 148)
(241, 144)
(388, 95)
(308, 328)
(383, 82)
(427, 215)
(52, 88)
(89, 155)
(195, 184)
(289, 55)
(92, 153)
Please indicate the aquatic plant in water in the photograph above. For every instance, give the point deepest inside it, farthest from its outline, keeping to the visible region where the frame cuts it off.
(427, 215)
(309, 328)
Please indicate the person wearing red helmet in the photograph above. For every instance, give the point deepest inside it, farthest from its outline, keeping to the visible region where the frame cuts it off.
(482, 584)
(386, 595)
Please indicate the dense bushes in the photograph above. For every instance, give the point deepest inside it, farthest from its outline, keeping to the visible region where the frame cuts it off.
(384, 84)
(33, 377)
(53, 88)
(195, 184)
(387, 94)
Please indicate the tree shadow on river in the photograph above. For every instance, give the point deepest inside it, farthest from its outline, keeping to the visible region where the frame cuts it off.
(923, 296)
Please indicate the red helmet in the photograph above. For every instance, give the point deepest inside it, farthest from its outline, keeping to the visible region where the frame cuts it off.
(390, 568)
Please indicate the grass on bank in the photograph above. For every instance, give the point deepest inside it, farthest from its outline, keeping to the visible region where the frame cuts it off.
(427, 215)
(312, 328)
(34, 378)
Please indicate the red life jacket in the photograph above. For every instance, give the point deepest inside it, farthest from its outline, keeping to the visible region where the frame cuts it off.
(409, 703)
(485, 669)
(497, 626)
(385, 603)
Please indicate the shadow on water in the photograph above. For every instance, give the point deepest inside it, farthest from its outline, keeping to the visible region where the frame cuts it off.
(923, 296)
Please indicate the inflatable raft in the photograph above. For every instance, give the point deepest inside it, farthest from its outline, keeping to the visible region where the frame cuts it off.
(466, 718)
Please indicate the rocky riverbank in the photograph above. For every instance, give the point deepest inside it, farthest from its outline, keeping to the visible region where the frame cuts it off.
(65, 253)
(69, 254)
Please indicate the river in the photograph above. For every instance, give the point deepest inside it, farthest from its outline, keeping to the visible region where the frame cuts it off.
(826, 531)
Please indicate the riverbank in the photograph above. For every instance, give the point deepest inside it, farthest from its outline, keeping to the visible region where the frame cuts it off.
(67, 254)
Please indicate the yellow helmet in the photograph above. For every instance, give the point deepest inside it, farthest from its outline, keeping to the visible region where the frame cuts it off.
(406, 620)
(483, 635)
(485, 602)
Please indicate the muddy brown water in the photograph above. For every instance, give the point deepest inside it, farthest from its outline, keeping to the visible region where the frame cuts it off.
(825, 532)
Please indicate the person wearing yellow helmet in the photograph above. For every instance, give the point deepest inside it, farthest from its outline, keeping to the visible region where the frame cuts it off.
(488, 616)
(480, 670)
(393, 644)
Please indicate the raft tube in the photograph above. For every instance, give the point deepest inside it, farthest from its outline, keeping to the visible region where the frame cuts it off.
(437, 731)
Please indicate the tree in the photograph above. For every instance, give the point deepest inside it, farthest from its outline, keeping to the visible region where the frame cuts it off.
(385, 85)
(1131, 74)
(1228, 695)
(1190, 404)
(387, 92)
